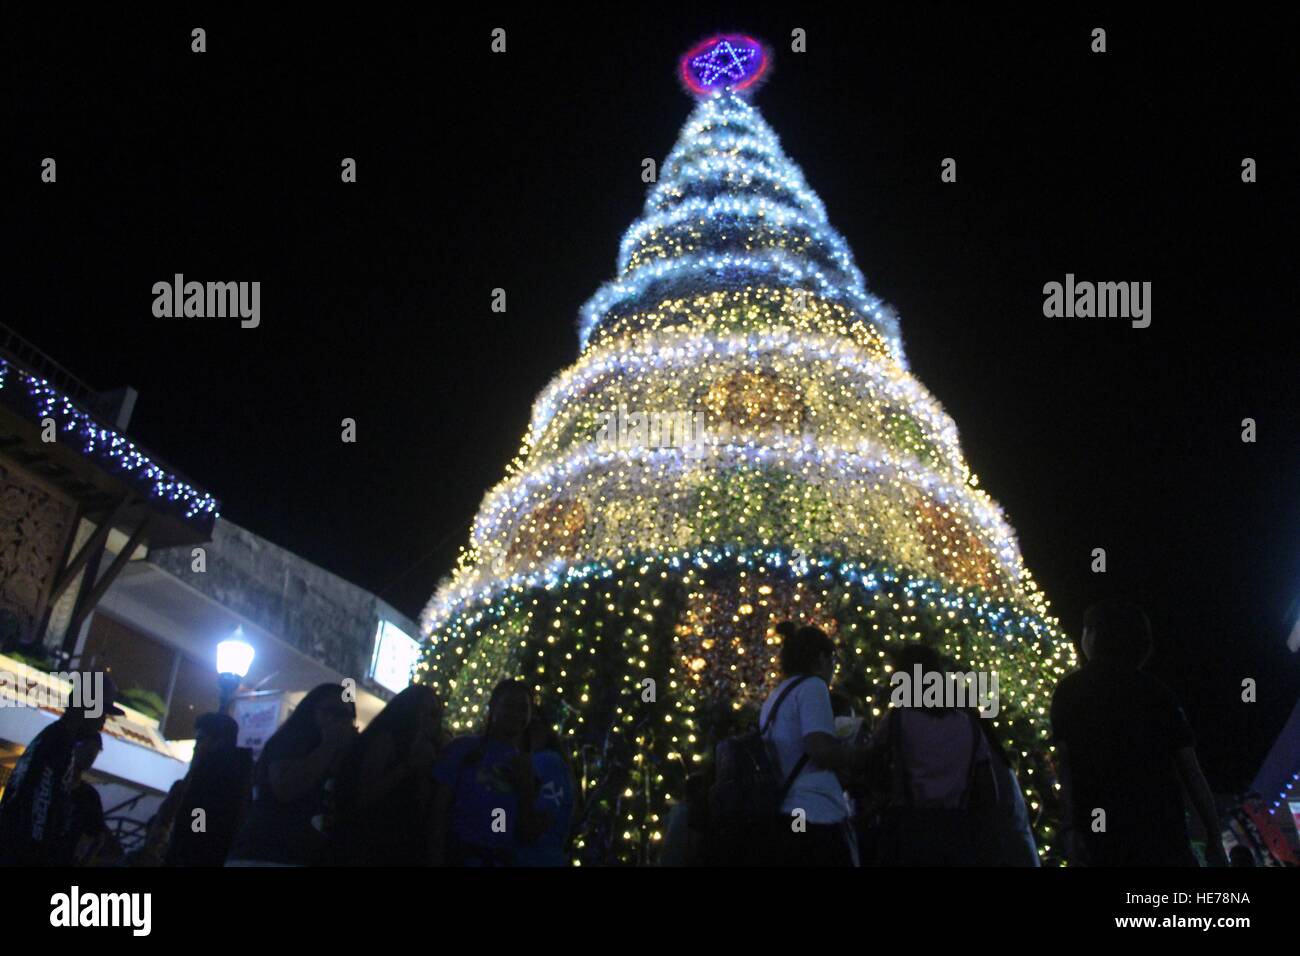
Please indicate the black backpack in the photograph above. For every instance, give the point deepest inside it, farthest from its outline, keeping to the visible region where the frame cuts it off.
(747, 789)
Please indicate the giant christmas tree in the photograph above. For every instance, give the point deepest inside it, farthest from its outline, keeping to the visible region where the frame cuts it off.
(739, 443)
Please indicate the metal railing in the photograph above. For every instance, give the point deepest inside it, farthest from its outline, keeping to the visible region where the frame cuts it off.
(31, 359)
(102, 407)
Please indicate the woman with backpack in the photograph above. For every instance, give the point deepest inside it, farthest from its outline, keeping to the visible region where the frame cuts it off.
(798, 724)
(933, 773)
(1004, 836)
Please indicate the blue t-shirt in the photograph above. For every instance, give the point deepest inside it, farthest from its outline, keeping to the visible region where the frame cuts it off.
(480, 788)
(555, 797)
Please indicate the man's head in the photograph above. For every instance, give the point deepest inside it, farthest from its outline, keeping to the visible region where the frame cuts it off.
(908, 656)
(214, 732)
(85, 750)
(1116, 632)
(509, 709)
(94, 697)
(541, 734)
(806, 650)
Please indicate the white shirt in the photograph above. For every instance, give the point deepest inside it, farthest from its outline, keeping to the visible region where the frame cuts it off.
(805, 710)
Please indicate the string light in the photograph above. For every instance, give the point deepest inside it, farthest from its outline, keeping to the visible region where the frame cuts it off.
(113, 449)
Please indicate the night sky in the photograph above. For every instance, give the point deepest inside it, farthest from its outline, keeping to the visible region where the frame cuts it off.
(522, 171)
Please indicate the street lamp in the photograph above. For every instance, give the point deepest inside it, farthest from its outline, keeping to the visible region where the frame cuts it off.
(234, 658)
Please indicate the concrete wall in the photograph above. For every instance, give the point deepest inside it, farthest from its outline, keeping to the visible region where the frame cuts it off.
(318, 613)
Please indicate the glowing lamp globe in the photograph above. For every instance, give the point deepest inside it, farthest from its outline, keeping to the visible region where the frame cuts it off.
(234, 657)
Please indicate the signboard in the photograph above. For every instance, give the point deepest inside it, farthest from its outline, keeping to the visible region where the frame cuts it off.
(394, 657)
(258, 718)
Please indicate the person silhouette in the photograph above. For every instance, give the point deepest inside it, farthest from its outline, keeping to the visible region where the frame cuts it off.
(1125, 753)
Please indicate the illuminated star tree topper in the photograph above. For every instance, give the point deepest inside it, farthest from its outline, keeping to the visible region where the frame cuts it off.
(731, 62)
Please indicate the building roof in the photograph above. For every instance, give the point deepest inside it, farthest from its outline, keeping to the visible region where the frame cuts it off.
(90, 460)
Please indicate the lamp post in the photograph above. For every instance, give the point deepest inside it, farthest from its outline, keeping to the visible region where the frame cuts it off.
(234, 658)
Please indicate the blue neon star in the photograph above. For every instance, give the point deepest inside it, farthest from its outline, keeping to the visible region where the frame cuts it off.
(724, 60)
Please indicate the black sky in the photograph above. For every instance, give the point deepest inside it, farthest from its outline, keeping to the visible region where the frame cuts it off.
(522, 171)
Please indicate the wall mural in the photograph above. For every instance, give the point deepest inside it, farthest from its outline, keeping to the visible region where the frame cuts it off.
(34, 526)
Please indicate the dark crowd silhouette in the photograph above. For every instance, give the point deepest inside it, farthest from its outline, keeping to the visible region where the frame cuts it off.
(815, 782)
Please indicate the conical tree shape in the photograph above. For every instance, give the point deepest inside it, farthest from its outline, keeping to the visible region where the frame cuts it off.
(739, 443)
